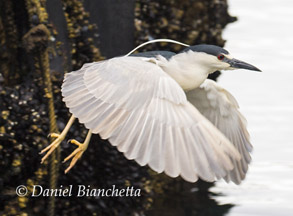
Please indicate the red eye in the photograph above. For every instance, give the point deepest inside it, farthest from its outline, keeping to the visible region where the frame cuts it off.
(221, 57)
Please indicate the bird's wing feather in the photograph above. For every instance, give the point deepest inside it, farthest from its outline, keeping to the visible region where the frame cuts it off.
(132, 102)
(221, 108)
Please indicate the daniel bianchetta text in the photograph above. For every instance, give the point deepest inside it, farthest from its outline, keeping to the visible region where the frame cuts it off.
(85, 191)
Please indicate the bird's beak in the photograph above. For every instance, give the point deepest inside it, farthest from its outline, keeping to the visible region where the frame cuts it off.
(235, 63)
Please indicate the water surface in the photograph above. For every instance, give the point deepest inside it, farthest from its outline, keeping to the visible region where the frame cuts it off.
(263, 36)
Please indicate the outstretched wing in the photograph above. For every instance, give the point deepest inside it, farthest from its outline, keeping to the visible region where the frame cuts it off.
(144, 112)
(221, 108)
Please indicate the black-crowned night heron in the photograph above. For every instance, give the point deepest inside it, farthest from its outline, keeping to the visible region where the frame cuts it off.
(160, 109)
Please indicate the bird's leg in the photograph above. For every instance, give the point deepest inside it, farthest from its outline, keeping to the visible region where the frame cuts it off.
(59, 138)
(77, 153)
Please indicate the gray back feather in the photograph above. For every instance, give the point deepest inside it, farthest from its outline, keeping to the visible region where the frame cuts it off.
(151, 54)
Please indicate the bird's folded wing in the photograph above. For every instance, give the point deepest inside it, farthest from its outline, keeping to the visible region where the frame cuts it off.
(221, 108)
(145, 113)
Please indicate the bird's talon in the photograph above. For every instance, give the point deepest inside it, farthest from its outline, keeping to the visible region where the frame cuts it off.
(50, 148)
(54, 135)
(75, 142)
(58, 139)
(76, 154)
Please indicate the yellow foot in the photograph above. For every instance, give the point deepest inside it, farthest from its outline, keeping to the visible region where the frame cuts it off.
(58, 140)
(49, 149)
(76, 154)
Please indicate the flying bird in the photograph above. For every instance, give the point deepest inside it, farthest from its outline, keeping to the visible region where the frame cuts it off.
(160, 110)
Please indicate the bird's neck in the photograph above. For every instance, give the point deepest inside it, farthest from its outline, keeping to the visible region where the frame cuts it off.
(186, 70)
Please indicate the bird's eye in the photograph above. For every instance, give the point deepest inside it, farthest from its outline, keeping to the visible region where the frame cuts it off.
(221, 57)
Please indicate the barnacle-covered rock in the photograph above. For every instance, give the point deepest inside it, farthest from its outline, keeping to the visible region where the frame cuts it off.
(36, 39)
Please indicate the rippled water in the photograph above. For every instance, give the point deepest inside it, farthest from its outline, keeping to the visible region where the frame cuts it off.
(263, 36)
